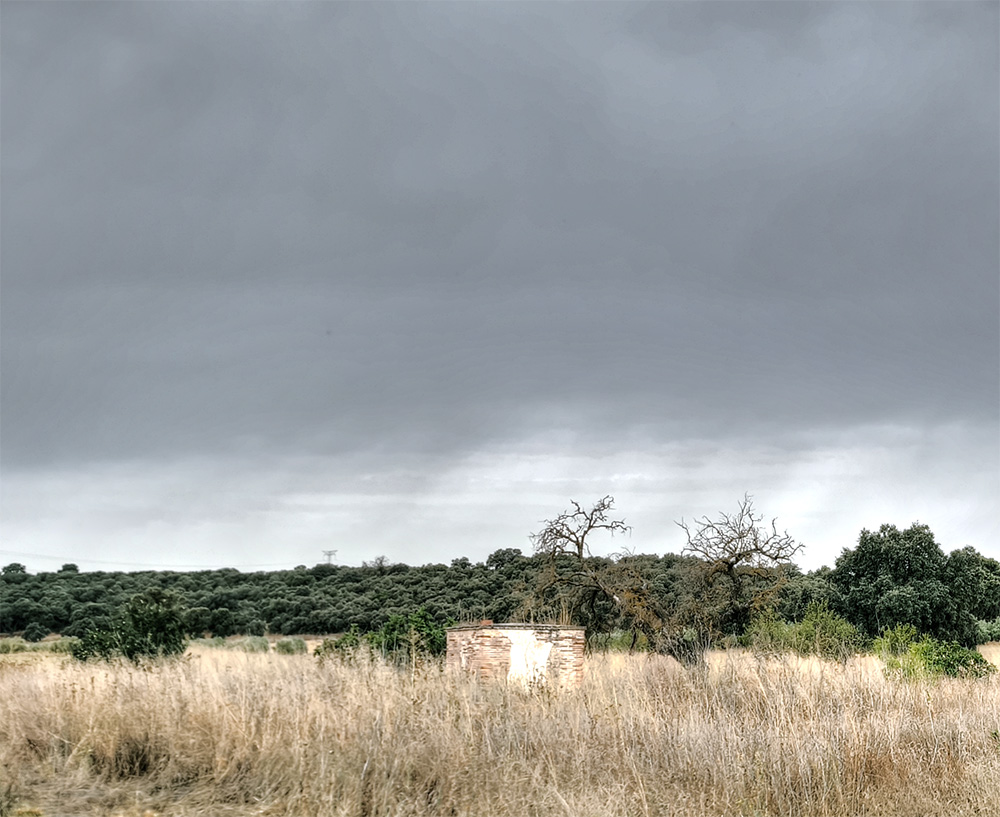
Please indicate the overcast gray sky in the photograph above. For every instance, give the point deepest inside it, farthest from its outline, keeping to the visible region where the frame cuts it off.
(404, 279)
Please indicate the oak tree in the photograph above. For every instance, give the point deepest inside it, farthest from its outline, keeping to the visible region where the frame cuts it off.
(742, 565)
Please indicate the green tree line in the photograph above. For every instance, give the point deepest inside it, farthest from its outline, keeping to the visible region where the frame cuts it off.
(891, 577)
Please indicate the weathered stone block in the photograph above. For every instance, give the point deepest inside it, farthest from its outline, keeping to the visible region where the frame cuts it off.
(526, 654)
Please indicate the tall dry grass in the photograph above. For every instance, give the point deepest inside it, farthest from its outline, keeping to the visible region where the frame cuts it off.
(224, 733)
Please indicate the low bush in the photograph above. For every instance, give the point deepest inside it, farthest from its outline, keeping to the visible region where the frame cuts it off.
(216, 643)
(821, 632)
(987, 631)
(906, 656)
(401, 640)
(895, 641)
(341, 647)
(327, 648)
(64, 645)
(617, 641)
(252, 643)
(35, 632)
(290, 646)
(11, 645)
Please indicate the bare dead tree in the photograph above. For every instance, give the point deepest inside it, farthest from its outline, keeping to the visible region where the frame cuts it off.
(750, 556)
(738, 540)
(575, 585)
(567, 534)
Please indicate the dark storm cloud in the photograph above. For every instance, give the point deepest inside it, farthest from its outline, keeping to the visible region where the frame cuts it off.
(329, 227)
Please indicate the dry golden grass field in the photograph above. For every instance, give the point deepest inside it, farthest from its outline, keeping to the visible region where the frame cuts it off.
(225, 733)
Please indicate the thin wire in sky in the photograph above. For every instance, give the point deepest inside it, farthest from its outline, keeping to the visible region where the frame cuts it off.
(152, 565)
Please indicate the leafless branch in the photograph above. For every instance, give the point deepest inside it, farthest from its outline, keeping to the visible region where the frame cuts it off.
(738, 540)
(567, 534)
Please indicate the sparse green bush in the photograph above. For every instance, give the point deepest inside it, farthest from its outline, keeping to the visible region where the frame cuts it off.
(290, 646)
(617, 641)
(687, 645)
(63, 645)
(402, 639)
(821, 632)
(11, 645)
(907, 657)
(340, 647)
(327, 648)
(253, 643)
(895, 641)
(214, 643)
(768, 634)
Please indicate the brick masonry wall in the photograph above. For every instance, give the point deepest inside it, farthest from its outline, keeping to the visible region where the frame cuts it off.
(529, 654)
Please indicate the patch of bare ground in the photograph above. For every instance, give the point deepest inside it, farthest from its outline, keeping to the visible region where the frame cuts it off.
(991, 652)
(229, 733)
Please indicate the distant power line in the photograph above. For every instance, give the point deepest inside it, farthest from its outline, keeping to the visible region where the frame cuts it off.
(156, 565)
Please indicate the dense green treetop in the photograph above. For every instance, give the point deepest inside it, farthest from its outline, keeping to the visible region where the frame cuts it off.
(891, 577)
(898, 577)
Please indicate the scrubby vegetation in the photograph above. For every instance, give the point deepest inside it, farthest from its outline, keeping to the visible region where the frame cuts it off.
(820, 632)
(290, 646)
(148, 626)
(908, 656)
(251, 643)
(9, 646)
(401, 640)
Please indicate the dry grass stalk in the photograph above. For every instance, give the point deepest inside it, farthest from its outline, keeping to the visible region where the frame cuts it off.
(230, 733)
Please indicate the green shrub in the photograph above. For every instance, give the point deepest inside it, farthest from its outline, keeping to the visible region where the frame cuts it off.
(63, 645)
(987, 631)
(327, 648)
(405, 638)
(617, 641)
(687, 645)
(253, 643)
(35, 632)
(402, 639)
(769, 634)
(821, 632)
(895, 641)
(11, 645)
(952, 659)
(907, 657)
(197, 621)
(149, 625)
(340, 647)
(214, 643)
(290, 646)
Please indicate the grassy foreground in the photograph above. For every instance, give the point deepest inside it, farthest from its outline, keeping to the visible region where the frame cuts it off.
(229, 733)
